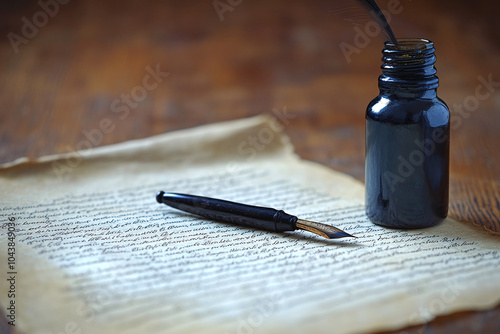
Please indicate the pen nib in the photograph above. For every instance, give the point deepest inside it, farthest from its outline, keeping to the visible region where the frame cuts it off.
(326, 231)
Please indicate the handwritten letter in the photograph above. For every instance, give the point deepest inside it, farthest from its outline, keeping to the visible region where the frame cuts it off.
(97, 253)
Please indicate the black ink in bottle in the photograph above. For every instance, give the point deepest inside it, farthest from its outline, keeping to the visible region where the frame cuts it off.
(407, 140)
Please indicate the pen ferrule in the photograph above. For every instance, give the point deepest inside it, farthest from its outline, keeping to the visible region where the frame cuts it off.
(283, 221)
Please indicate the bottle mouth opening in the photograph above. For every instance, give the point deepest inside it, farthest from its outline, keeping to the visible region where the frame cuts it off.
(405, 44)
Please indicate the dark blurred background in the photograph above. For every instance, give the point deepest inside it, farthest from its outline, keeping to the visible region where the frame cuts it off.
(262, 55)
(67, 65)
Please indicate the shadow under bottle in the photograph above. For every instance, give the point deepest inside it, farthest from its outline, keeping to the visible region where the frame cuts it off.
(407, 140)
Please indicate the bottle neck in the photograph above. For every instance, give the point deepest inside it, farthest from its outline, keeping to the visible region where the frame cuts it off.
(408, 69)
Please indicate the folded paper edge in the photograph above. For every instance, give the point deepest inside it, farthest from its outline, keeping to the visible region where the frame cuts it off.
(231, 127)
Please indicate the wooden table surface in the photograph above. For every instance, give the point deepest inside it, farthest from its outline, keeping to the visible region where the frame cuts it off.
(65, 68)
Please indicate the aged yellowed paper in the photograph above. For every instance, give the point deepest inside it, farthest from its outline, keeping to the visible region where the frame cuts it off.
(91, 251)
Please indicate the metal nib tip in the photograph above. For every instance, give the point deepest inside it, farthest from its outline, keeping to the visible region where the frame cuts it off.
(326, 231)
(340, 234)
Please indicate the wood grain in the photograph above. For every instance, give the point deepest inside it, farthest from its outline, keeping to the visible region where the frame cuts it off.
(263, 56)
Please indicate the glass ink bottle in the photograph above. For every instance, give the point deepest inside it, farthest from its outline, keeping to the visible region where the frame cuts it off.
(407, 140)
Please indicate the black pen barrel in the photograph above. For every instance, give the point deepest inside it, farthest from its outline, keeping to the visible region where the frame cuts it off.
(230, 212)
